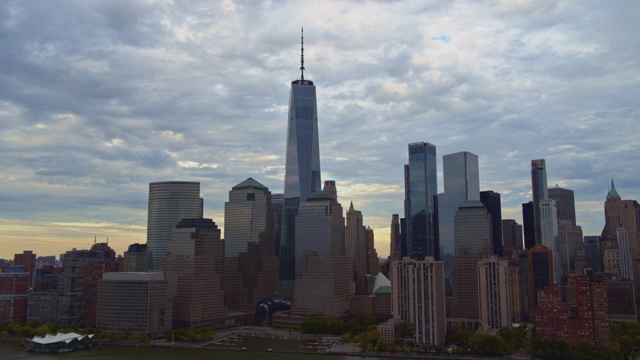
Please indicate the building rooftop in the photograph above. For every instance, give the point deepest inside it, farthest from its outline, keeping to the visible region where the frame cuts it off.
(250, 183)
(381, 285)
(613, 193)
(133, 276)
(471, 204)
(58, 338)
(320, 196)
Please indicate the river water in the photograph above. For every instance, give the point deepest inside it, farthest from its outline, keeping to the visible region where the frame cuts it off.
(257, 350)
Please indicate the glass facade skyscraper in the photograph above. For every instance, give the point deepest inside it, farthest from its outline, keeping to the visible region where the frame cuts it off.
(169, 202)
(491, 200)
(461, 183)
(461, 174)
(302, 170)
(539, 191)
(421, 201)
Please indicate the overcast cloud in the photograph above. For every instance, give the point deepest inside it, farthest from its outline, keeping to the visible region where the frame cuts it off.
(99, 98)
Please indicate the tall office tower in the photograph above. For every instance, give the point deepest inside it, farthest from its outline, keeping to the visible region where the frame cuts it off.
(28, 260)
(473, 227)
(540, 273)
(373, 262)
(626, 272)
(623, 214)
(512, 238)
(461, 174)
(461, 183)
(588, 294)
(251, 267)
(565, 202)
(516, 292)
(403, 238)
(322, 283)
(421, 201)
(14, 295)
(193, 268)
(357, 248)
(592, 253)
(569, 245)
(278, 205)
(169, 202)
(528, 225)
(134, 302)
(473, 239)
(418, 298)
(523, 262)
(539, 191)
(330, 187)
(81, 270)
(494, 305)
(395, 253)
(137, 258)
(579, 262)
(611, 258)
(548, 220)
(302, 170)
(491, 200)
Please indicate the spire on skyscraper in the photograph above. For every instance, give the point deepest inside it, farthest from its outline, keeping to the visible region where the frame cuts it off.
(302, 53)
(613, 193)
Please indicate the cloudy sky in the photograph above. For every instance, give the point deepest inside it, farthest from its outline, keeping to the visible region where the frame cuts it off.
(99, 98)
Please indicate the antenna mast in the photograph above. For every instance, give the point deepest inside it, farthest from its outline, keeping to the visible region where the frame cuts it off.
(302, 53)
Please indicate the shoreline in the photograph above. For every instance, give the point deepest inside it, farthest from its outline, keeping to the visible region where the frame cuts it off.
(335, 348)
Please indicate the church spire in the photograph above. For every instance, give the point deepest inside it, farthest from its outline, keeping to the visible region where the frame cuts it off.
(302, 53)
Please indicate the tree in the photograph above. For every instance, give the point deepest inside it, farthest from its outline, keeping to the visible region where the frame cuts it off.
(487, 345)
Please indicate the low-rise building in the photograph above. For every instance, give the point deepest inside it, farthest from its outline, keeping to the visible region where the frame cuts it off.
(134, 302)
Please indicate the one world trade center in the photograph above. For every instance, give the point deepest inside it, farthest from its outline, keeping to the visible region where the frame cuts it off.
(302, 172)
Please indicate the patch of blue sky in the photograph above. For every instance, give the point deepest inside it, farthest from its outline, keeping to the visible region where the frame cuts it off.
(444, 38)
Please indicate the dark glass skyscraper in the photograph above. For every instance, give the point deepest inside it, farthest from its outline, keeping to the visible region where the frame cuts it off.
(565, 203)
(302, 172)
(421, 201)
(539, 191)
(491, 200)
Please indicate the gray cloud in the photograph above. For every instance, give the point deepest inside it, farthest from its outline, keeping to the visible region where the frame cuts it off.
(99, 98)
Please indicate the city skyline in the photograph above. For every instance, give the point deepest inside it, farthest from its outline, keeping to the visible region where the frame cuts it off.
(99, 99)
